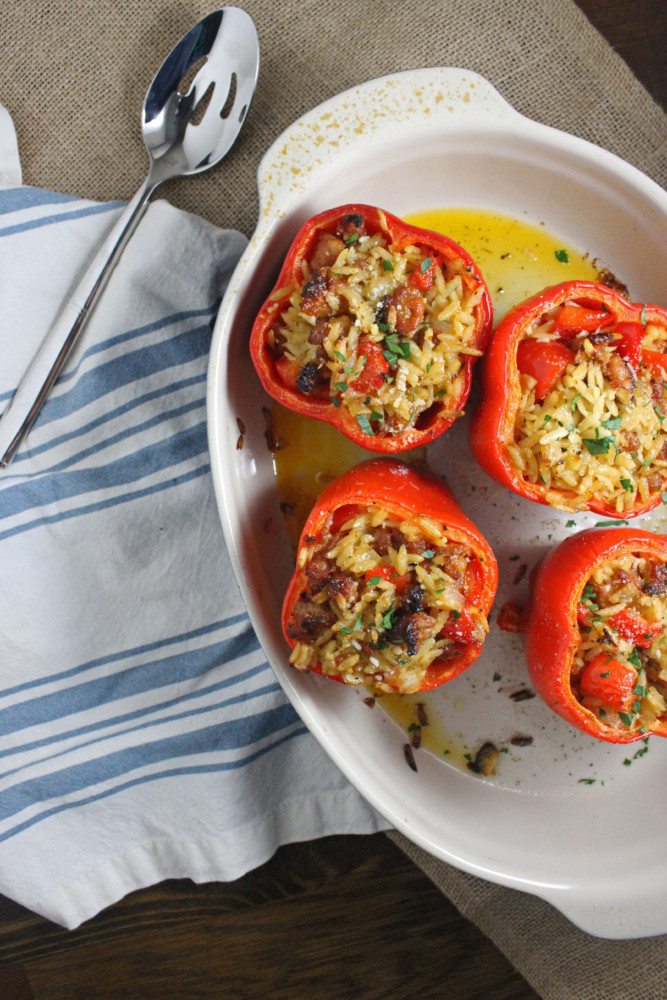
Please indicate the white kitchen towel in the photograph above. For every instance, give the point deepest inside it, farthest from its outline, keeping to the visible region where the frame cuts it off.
(143, 736)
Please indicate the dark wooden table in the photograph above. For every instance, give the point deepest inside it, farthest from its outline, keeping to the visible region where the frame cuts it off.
(342, 917)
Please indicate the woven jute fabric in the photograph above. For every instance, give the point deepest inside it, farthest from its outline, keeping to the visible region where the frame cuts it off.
(73, 75)
(558, 960)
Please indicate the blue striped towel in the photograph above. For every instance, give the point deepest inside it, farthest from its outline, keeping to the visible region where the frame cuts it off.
(142, 734)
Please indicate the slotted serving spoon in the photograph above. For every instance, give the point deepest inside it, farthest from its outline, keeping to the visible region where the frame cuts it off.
(180, 141)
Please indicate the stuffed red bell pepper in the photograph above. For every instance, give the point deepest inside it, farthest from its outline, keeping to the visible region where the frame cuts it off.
(393, 583)
(373, 326)
(574, 401)
(595, 632)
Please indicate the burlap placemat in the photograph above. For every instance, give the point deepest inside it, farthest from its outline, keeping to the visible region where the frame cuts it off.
(74, 74)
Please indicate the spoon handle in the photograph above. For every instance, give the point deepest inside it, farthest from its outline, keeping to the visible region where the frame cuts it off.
(61, 337)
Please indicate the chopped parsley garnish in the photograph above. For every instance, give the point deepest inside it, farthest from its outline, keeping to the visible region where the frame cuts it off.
(428, 553)
(388, 618)
(341, 386)
(387, 265)
(642, 318)
(634, 659)
(357, 625)
(574, 402)
(627, 485)
(425, 264)
(587, 781)
(497, 677)
(352, 238)
(384, 328)
(454, 615)
(609, 524)
(562, 256)
(365, 424)
(399, 347)
(374, 580)
(612, 424)
(341, 357)
(627, 719)
(598, 445)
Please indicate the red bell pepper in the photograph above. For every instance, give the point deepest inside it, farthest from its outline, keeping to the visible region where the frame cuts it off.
(553, 631)
(573, 319)
(578, 310)
(406, 496)
(331, 385)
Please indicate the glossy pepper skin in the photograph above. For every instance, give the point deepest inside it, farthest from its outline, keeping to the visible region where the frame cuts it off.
(282, 387)
(550, 630)
(404, 493)
(493, 423)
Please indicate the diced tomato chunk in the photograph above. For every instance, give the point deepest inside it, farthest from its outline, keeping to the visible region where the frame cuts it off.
(636, 629)
(657, 361)
(629, 342)
(376, 367)
(387, 573)
(460, 627)
(341, 515)
(423, 277)
(509, 617)
(288, 371)
(545, 361)
(583, 614)
(610, 680)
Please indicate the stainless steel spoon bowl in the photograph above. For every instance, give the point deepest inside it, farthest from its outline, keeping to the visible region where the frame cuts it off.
(184, 133)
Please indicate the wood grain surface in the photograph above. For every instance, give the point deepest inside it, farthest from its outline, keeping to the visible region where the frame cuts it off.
(342, 917)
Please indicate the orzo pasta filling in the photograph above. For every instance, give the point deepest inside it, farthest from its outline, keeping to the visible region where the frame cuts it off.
(591, 422)
(619, 671)
(382, 332)
(384, 600)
